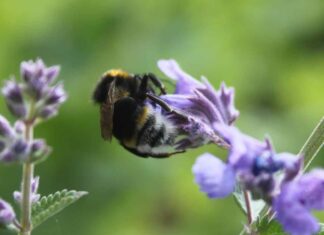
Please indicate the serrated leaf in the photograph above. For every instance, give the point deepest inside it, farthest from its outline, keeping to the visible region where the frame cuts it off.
(313, 144)
(257, 206)
(50, 205)
(266, 227)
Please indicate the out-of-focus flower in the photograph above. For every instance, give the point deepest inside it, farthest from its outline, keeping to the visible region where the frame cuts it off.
(7, 214)
(34, 196)
(200, 105)
(38, 77)
(38, 84)
(13, 147)
(14, 98)
(214, 177)
(37, 96)
(39, 149)
(295, 201)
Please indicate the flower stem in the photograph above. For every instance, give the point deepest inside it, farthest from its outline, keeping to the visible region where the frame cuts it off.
(28, 172)
(248, 207)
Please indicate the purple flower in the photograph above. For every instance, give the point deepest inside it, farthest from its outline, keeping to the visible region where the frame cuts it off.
(38, 77)
(5, 128)
(200, 106)
(7, 214)
(254, 163)
(56, 95)
(295, 201)
(214, 177)
(13, 147)
(34, 196)
(39, 149)
(14, 99)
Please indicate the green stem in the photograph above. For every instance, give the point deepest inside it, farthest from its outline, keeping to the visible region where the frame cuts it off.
(313, 144)
(28, 174)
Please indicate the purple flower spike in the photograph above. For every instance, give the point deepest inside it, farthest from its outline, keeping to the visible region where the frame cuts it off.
(214, 177)
(296, 199)
(38, 78)
(7, 214)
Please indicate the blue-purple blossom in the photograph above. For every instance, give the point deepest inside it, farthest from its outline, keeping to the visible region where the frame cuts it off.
(13, 146)
(34, 195)
(214, 177)
(37, 97)
(38, 77)
(38, 83)
(7, 214)
(200, 105)
(14, 98)
(253, 162)
(296, 200)
(5, 129)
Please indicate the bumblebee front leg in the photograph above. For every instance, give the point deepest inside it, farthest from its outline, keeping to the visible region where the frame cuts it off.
(165, 105)
(155, 81)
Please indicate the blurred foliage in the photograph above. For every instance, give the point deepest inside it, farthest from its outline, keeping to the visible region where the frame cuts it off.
(271, 51)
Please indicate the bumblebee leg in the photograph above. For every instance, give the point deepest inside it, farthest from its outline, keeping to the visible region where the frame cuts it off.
(164, 105)
(155, 81)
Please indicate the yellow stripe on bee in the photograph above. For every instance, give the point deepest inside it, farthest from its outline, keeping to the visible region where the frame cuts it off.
(140, 121)
(142, 117)
(117, 73)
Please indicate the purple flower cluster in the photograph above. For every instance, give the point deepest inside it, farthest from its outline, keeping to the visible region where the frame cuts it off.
(36, 97)
(205, 115)
(253, 164)
(200, 106)
(15, 148)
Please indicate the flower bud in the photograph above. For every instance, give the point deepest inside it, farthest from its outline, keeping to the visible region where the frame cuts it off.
(56, 95)
(12, 92)
(5, 128)
(51, 73)
(48, 112)
(39, 150)
(34, 196)
(7, 214)
(19, 127)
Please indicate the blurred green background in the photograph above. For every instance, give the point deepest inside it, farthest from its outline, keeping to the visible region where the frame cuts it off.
(271, 51)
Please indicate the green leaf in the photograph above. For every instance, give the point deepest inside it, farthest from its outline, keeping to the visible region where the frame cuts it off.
(257, 206)
(322, 229)
(272, 227)
(313, 144)
(50, 205)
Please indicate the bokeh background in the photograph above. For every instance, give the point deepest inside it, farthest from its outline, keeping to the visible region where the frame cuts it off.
(271, 51)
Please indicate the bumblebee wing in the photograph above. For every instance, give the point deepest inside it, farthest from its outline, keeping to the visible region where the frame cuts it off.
(107, 113)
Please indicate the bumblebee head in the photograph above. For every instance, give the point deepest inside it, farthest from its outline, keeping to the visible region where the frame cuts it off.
(111, 84)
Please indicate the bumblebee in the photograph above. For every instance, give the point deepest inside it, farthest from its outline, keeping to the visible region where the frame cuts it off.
(126, 114)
